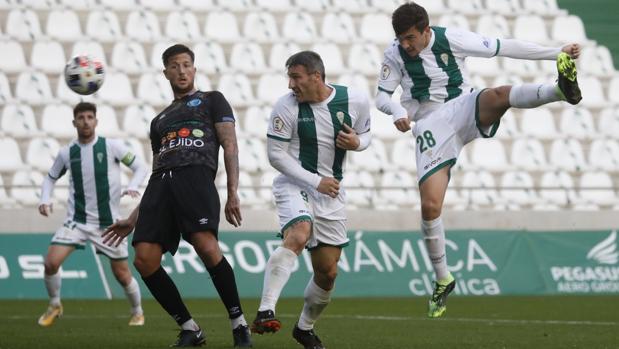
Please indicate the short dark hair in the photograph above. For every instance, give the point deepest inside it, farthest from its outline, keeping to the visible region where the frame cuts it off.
(84, 106)
(409, 15)
(310, 60)
(175, 50)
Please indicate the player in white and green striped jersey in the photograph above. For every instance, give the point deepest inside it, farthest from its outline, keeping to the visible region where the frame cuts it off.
(94, 197)
(428, 63)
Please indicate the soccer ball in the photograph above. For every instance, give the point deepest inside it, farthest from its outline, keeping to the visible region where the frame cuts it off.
(84, 75)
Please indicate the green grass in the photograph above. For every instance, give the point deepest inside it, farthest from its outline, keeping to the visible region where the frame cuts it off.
(470, 322)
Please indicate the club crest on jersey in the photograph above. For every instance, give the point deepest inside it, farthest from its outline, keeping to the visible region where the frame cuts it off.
(385, 72)
(278, 124)
(100, 157)
(194, 102)
(340, 116)
(444, 58)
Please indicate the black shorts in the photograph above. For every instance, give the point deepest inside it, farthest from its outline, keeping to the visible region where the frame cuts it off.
(178, 202)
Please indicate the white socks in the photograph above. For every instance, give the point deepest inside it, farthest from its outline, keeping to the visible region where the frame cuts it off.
(238, 321)
(135, 298)
(316, 300)
(276, 275)
(434, 237)
(52, 283)
(533, 95)
(190, 325)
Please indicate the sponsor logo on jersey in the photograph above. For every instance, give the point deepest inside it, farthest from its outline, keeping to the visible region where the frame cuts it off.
(194, 102)
(385, 71)
(433, 163)
(308, 119)
(183, 132)
(182, 142)
(278, 124)
(170, 135)
(197, 133)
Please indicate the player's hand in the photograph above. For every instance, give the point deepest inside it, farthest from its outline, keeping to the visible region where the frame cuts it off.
(573, 50)
(117, 232)
(132, 193)
(233, 210)
(347, 138)
(403, 124)
(45, 209)
(329, 186)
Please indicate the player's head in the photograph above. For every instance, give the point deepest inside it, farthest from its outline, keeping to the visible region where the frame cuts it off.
(179, 69)
(412, 27)
(306, 75)
(85, 119)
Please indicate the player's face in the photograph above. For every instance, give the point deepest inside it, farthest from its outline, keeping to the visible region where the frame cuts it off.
(85, 122)
(305, 85)
(180, 72)
(413, 41)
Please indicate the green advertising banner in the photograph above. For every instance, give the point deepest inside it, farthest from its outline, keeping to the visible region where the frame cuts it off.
(378, 264)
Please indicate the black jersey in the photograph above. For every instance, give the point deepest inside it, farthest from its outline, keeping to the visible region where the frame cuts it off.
(184, 134)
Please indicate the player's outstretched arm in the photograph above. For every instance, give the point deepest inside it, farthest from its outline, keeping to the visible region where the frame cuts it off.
(227, 137)
(400, 118)
(117, 232)
(573, 50)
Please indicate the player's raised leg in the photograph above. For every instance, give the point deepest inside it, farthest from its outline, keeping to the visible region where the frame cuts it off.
(120, 269)
(56, 254)
(432, 191)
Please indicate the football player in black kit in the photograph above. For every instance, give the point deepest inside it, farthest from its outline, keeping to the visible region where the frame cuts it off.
(181, 197)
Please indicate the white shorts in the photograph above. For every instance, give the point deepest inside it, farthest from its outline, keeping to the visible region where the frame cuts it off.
(77, 234)
(440, 136)
(297, 203)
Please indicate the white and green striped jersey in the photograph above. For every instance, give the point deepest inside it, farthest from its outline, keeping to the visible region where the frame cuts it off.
(94, 184)
(438, 73)
(311, 128)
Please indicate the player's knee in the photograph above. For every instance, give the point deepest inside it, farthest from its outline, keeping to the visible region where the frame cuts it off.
(327, 273)
(51, 268)
(144, 266)
(431, 209)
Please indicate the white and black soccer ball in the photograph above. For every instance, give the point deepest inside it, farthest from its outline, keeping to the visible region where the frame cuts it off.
(84, 75)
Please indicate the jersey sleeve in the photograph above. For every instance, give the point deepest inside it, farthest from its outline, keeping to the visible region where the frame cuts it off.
(362, 106)
(281, 122)
(121, 152)
(390, 73)
(59, 167)
(220, 109)
(155, 138)
(468, 44)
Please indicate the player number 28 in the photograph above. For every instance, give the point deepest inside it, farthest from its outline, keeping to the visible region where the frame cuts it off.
(425, 142)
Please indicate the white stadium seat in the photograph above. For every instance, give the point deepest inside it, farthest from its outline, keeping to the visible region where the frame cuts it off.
(332, 58)
(275, 5)
(237, 5)
(528, 154)
(5, 89)
(23, 25)
(136, 121)
(312, 6)
(107, 125)
(154, 89)
(479, 188)
(26, 187)
(265, 186)
(520, 67)
(41, 153)
(604, 154)
(377, 29)
(385, 6)
(222, 27)
(157, 50)
(246, 192)
(203, 83)
(48, 57)
(18, 121)
(489, 154)
(396, 190)
(82, 5)
(504, 7)
(518, 188)
(578, 123)
(143, 26)
(539, 123)
(592, 92)
(360, 188)
(279, 55)
(271, 87)
(382, 126)
(33, 87)
(252, 155)
(237, 89)
(90, 48)
(210, 58)
(433, 7)
(338, 28)
(260, 27)
(403, 154)
(300, 28)
(5, 200)
(256, 121)
(247, 58)
(531, 28)
(182, 26)
(542, 7)
(458, 21)
(352, 6)
(609, 122)
(120, 5)
(365, 59)
(596, 61)
(613, 90)
(16, 61)
(558, 188)
(11, 159)
(466, 6)
(506, 79)
(567, 154)
(56, 121)
(493, 26)
(128, 57)
(63, 25)
(65, 95)
(103, 26)
(373, 159)
(116, 89)
(597, 188)
(163, 5)
(509, 127)
(357, 81)
(568, 29)
(486, 67)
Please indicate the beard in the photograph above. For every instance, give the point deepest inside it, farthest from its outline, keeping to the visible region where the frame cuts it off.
(179, 90)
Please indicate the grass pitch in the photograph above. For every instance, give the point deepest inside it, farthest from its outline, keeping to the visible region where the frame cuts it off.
(470, 322)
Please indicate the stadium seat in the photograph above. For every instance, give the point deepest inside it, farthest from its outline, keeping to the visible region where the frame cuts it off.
(11, 159)
(274, 5)
(33, 87)
(613, 90)
(332, 58)
(237, 5)
(568, 29)
(312, 6)
(271, 87)
(520, 67)
(182, 26)
(128, 57)
(397, 189)
(81, 5)
(260, 27)
(528, 154)
(203, 83)
(143, 26)
(18, 121)
(608, 124)
(558, 188)
(252, 155)
(493, 26)
(597, 188)
(542, 7)
(5, 90)
(154, 89)
(265, 186)
(41, 153)
(577, 123)
(376, 28)
(470, 7)
(222, 27)
(136, 121)
(65, 95)
(382, 126)
(247, 193)
(503, 7)
(116, 90)
(15, 62)
(567, 154)
(26, 187)
(279, 55)
(210, 58)
(237, 89)
(509, 127)
(360, 188)
(403, 154)
(36, 4)
(592, 92)
(507, 79)
(479, 188)
(604, 154)
(457, 20)
(300, 28)
(120, 5)
(357, 81)
(338, 28)
(365, 59)
(373, 159)
(433, 7)
(486, 67)
(163, 5)
(107, 125)
(352, 6)
(530, 28)
(518, 188)
(596, 61)
(23, 25)
(197, 5)
(56, 121)
(256, 121)
(489, 154)
(477, 82)
(5, 200)
(539, 123)
(91, 48)
(247, 58)
(103, 26)
(63, 25)
(385, 6)
(156, 51)
(48, 57)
